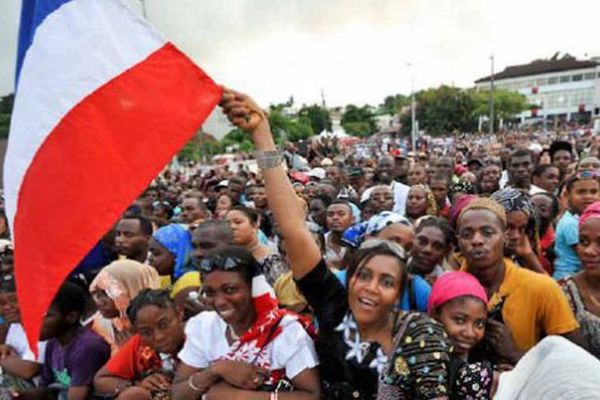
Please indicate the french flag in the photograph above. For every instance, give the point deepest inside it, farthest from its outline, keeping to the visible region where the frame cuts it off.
(102, 103)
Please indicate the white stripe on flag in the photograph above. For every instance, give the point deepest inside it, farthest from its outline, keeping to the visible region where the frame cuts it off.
(75, 51)
(260, 287)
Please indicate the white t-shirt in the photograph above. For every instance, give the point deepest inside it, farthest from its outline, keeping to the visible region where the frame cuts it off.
(292, 350)
(17, 339)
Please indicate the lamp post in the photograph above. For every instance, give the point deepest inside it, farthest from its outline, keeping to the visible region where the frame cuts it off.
(491, 125)
(144, 12)
(413, 109)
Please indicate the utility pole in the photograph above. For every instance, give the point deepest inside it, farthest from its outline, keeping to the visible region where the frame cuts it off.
(144, 12)
(413, 109)
(491, 125)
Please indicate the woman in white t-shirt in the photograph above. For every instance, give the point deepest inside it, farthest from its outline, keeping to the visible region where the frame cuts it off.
(247, 344)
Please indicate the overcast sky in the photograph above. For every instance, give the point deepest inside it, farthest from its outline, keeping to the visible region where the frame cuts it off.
(355, 50)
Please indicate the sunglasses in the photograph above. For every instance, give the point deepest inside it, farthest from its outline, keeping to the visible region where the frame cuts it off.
(219, 263)
(391, 246)
(587, 174)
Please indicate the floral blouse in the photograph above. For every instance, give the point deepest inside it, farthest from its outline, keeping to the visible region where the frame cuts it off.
(352, 368)
(589, 323)
(273, 266)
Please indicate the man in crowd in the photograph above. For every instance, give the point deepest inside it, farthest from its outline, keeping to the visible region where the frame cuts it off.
(520, 169)
(339, 218)
(193, 210)
(132, 237)
(546, 178)
(440, 185)
(561, 154)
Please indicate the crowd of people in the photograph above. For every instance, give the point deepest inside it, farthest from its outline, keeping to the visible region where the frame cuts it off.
(468, 268)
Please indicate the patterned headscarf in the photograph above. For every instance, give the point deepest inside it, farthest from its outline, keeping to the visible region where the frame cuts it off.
(513, 200)
(432, 208)
(516, 200)
(462, 187)
(459, 204)
(592, 211)
(378, 222)
(122, 280)
(355, 234)
(178, 241)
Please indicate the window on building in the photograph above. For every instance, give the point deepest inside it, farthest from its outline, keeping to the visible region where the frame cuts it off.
(589, 75)
(565, 78)
(541, 82)
(553, 80)
(577, 77)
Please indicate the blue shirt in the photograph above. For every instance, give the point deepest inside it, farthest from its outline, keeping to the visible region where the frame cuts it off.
(567, 236)
(420, 289)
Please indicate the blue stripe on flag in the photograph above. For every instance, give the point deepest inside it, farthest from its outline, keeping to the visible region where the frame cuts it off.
(33, 13)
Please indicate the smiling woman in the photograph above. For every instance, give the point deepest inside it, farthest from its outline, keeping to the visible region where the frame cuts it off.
(247, 345)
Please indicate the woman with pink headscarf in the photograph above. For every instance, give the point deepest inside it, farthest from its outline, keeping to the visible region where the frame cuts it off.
(583, 289)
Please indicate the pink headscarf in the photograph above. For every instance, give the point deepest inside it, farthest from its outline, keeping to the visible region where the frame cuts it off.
(452, 285)
(459, 204)
(592, 211)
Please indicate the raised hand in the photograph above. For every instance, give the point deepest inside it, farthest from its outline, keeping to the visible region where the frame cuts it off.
(242, 111)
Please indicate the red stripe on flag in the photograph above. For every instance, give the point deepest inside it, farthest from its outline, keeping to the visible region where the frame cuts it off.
(96, 161)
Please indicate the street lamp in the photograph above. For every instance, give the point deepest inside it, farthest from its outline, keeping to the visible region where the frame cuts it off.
(492, 96)
(413, 110)
(144, 12)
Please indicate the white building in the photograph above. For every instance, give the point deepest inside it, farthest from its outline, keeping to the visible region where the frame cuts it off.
(563, 88)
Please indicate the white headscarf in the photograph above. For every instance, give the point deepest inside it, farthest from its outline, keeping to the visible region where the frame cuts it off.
(554, 369)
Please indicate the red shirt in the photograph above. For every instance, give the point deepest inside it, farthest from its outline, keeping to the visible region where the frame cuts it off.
(134, 360)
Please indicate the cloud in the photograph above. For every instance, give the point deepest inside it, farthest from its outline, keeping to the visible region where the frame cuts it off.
(356, 50)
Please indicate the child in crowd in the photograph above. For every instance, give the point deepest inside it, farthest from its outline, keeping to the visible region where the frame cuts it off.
(582, 190)
(459, 302)
(19, 365)
(73, 353)
(144, 367)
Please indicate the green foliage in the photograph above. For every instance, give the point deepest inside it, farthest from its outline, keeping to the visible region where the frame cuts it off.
(359, 121)
(441, 110)
(317, 117)
(360, 129)
(190, 152)
(237, 139)
(446, 109)
(393, 104)
(506, 103)
(287, 128)
(4, 125)
(6, 107)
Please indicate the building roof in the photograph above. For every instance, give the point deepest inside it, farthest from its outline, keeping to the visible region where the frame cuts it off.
(542, 66)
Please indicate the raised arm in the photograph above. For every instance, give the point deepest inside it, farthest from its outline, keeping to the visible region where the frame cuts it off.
(300, 245)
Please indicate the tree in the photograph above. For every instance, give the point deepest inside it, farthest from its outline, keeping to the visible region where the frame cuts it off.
(393, 104)
(6, 107)
(287, 128)
(317, 117)
(442, 110)
(507, 104)
(359, 121)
